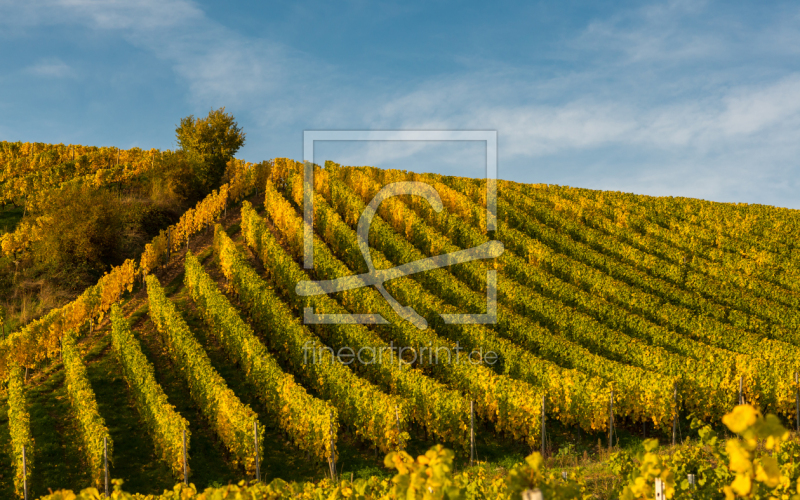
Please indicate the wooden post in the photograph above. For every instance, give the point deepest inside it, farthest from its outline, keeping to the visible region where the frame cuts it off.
(660, 489)
(544, 432)
(332, 460)
(105, 460)
(471, 433)
(535, 494)
(24, 473)
(118, 157)
(185, 465)
(610, 419)
(73, 152)
(169, 241)
(255, 442)
(675, 415)
(692, 481)
(26, 375)
(741, 387)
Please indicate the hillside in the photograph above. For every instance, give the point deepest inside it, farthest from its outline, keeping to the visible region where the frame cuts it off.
(658, 307)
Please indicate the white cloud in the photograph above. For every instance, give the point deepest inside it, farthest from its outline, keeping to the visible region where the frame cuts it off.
(51, 68)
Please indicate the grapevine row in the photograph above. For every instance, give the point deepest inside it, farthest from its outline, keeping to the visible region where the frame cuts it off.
(584, 270)
(714, 371)
(715, 377)
(439, 410)
(497, 399)
(19, 423)
(165, 424)
(749, 310)
(232, 419)
(572, 396)
(81, 395)
(653, 402)
(374, 415)
(289, 225)
(306, 419)
(40, 339)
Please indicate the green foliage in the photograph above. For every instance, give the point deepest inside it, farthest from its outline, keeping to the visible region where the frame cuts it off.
(20, 425)
(81, 230)
(232, 419)
(428, 477)
(761, 463)
(183, 174)
(81, 395)
(165, 424)
(306, 419)
(359, 403)
(214, 140)
(442, 411)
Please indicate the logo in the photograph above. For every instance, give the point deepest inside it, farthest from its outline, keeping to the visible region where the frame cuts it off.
(377, 277)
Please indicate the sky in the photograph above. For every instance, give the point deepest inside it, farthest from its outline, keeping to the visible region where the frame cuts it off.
(697, 99)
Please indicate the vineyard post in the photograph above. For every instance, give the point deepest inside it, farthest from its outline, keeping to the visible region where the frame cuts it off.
(255, 442)
(26, 374)
(741, 384)
(169, 240)
(24, 473)
(610, 419)
(544, 433)
(105, 460)
(659, 489)
(73, 152)
(675, 415)
(332, 460)
(185, 467)
(471, 432)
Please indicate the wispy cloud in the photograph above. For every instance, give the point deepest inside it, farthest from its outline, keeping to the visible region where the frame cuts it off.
(684, 96)
(51, 68)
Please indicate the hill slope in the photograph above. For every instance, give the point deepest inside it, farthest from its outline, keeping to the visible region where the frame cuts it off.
(596, 291)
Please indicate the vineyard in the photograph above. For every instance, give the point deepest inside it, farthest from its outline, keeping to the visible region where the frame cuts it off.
(617, 317)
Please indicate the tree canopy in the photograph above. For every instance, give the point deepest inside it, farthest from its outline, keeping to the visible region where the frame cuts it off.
(213, 140)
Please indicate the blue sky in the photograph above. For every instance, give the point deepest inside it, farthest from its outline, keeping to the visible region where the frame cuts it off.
(693, 98)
